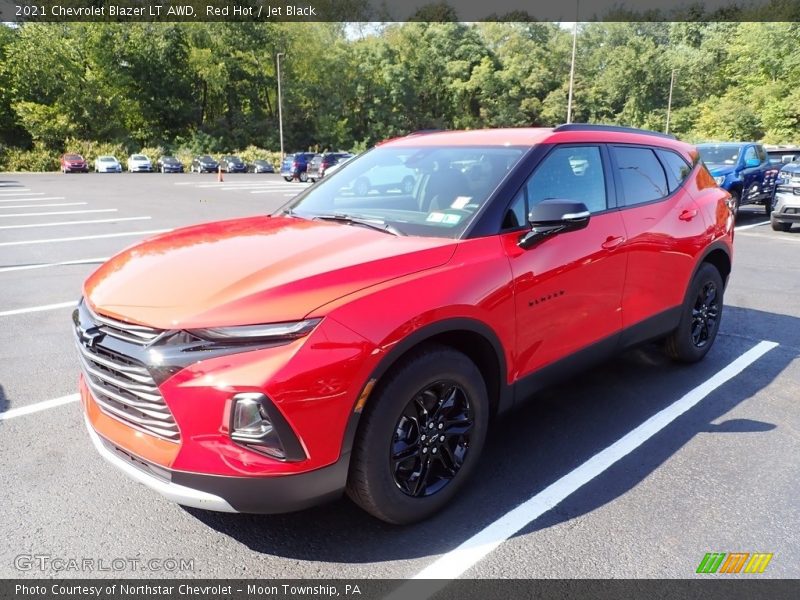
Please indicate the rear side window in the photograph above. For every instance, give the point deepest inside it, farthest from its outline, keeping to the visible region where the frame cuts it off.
(676, 168)
(641, 174)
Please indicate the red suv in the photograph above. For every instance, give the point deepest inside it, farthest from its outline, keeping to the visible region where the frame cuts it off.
(363, 342)
(73, 162)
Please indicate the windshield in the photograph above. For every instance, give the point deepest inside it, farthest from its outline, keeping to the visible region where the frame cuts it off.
(139, 157)
(107, 159)
(73, 157)
(722, 154)
(426, 191)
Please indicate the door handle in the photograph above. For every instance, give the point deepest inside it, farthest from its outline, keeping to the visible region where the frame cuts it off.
(688, 214)
(612, 242)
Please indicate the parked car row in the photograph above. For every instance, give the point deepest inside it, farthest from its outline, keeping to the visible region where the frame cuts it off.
(307, 166)
(140, 163)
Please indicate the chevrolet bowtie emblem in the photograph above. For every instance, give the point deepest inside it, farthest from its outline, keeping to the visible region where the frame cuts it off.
(91, 336)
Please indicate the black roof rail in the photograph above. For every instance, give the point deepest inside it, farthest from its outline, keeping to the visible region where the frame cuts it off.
(618, 128)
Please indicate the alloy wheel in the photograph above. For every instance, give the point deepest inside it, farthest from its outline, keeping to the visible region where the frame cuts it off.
(431, 439)
(705, 314)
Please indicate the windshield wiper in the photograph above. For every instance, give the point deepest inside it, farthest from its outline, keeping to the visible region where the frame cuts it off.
(350, 220)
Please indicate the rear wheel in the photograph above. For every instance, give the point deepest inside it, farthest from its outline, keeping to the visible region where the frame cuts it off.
(303, 177)
(700, 317)
(288, 178)
(420, 436)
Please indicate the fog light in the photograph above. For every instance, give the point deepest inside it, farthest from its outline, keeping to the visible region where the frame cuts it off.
(250, 419)
(258, 425)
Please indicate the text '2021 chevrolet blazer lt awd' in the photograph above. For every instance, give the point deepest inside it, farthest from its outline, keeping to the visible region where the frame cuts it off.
(362, 337)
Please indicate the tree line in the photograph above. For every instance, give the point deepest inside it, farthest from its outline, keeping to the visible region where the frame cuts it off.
(212, 87)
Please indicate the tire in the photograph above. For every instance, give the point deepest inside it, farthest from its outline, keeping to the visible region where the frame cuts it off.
(289, 179)
(700, 317)
(303, 177)
(387, 488)
(361, 186)
(779, 225)
(736, 200)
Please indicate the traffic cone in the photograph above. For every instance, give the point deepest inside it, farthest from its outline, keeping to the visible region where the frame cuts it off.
(219, 174)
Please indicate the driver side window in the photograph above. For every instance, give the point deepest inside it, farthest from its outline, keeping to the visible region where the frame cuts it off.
(569, 173)
(750, 154)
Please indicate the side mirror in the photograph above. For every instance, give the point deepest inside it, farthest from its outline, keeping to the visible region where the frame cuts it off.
(751, 162)
(554, 216)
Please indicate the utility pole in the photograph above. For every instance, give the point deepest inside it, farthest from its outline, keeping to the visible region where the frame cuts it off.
(280, 102)
(669, 102)
(572, 64)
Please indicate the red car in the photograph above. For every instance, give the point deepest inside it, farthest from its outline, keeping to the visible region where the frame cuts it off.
(73, 162)
(363, 342)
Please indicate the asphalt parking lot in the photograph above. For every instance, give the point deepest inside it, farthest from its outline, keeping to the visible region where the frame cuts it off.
(720, 477)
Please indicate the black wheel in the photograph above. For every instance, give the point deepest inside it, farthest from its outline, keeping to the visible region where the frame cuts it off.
(700, 317)
(420, 436)
(736, 200)
(361, 186)
(303, 177)
(288, 178)
(408, 184)
(779, 225)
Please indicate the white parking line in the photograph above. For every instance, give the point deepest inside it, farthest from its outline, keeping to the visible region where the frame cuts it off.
(85, 237)
(457, 561)
(33, 408)
(62, 223)
(33, 309)
(743, 227)
(42, 205)
(20, 192)
(80, 261)
(5, 199)
(61, 212)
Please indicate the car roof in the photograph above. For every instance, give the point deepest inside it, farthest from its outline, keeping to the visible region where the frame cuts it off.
(532, 136)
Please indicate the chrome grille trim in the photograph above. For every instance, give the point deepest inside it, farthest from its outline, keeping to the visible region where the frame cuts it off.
(137, 334)
(121, 386)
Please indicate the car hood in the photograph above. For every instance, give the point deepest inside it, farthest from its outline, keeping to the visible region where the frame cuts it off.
(717, 169)
(254, 270)
(791, 168)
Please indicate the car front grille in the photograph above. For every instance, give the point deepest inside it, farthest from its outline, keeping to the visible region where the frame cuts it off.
(123, 387)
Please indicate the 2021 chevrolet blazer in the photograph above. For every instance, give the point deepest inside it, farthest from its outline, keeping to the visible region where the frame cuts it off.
(362, 341)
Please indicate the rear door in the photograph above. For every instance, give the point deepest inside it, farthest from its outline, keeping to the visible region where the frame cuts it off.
(664, 229)
(567, 289)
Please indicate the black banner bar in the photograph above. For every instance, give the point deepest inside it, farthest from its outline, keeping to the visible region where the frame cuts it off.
(702, 588)
(396, 10)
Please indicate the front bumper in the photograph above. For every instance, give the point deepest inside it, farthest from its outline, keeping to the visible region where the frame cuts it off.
(257, 495)
(786, 207)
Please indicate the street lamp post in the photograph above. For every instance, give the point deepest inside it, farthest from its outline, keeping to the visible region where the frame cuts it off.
(572, 66)
(280, 102)
(669, 102)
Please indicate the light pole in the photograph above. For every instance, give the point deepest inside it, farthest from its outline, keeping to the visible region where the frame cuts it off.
(669, 102)
(572, 64)
(280, 102)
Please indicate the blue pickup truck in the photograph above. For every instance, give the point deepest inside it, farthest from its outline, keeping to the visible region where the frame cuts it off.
(744, 170)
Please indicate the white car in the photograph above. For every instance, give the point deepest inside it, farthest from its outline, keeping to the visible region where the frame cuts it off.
(139, 163)
(107, 164)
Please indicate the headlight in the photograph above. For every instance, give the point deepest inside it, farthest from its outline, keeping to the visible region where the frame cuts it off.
(254, 333)
(720, 179)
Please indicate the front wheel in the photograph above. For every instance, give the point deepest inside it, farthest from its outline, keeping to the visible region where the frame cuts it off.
(736, 200)
(700, 317)
(420, 436)
(288, 179)
(303, 177)
(779, 225)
